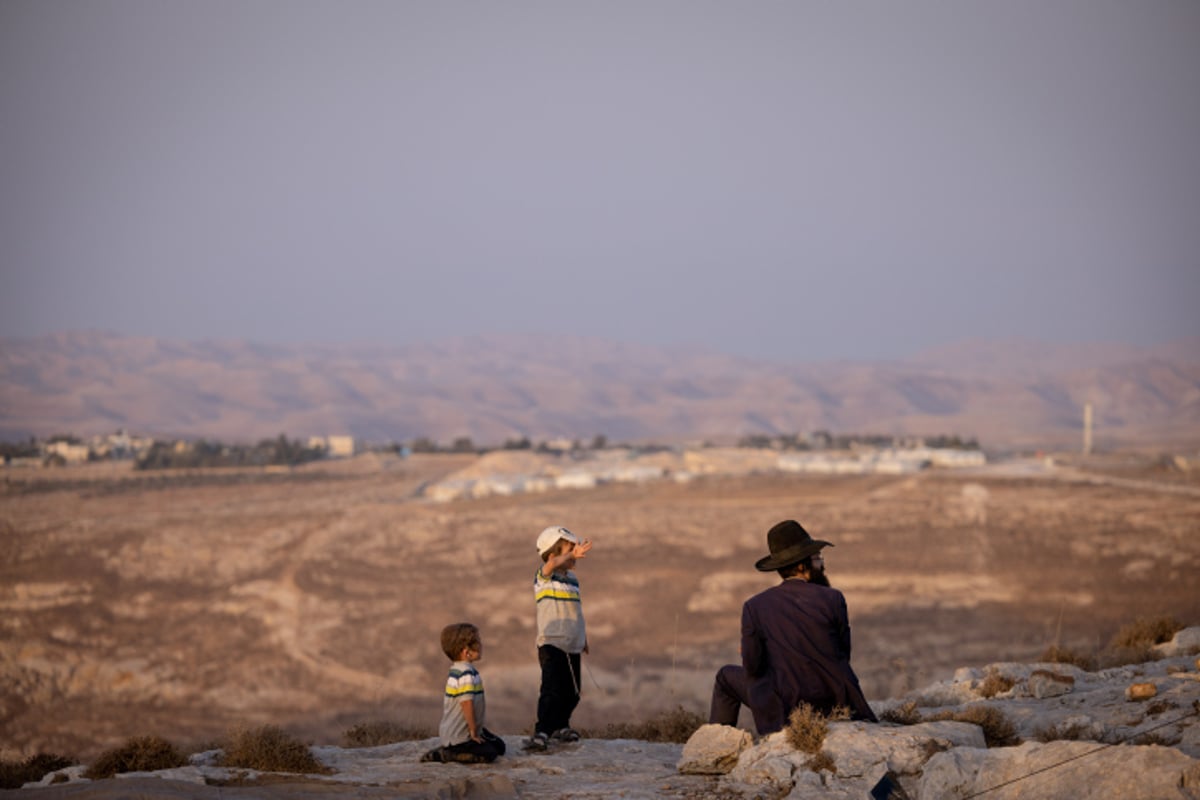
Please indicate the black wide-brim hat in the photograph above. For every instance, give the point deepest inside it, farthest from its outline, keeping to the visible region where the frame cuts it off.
(788, 543)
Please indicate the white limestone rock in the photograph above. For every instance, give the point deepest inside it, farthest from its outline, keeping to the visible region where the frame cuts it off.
(713, 750)
(72, 774)
(1045, 683)
(1076, 770)
(1185, 642)
(772, 761)
(181, 774)
(860, 748)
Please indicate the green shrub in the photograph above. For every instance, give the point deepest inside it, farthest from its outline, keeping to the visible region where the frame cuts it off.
(381, 732)
(676, 725)
(269, 749)
(138, 754)
(15, 774)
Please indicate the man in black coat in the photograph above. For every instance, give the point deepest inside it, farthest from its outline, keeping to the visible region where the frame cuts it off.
(795, 642)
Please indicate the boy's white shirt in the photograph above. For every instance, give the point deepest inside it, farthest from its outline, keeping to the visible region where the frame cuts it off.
(559, 611)
(464, 684)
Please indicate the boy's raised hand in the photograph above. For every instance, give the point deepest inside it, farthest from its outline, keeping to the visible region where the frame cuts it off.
(582, 548)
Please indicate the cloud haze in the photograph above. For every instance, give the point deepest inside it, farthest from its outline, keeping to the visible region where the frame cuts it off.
(785, 180)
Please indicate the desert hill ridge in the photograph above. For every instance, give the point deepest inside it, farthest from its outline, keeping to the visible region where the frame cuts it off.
(1048, 730)
(1005, 394)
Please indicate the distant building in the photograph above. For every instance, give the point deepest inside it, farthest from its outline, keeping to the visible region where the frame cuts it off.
(120, 445)
(340, 446)
(69, 453)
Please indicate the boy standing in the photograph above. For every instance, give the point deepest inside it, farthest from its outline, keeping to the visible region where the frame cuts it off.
(464, 739)
(561, 635)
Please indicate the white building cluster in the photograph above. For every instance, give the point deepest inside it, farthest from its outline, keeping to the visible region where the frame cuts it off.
(499, 474)
(578, 477)
(110, 446)
(889, 461)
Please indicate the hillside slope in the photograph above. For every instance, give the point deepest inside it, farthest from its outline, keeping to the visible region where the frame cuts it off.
(1003, 394)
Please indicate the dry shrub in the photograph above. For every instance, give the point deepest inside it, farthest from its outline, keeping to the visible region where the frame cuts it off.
(1146, 631)
(1061, 732)
(1154, 737)
(806, 729)
(822, 762)
(138, 754)
(905, 714)
(15, 774)
(998, 729)
(675, 726)
(1158, 707)
(995, 683)
(269, 749)
(1122, 656)
(381, 732)
(1064, 655)
(931, 747)
(839, 714)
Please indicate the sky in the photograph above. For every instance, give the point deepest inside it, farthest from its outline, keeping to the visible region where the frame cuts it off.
(791, 180)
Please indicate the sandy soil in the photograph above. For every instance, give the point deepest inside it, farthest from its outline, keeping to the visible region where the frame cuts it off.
(187, 604)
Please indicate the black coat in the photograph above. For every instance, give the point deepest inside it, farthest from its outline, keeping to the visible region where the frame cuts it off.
(796, 648)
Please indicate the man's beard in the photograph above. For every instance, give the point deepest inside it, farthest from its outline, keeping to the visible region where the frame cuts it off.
(817, 575)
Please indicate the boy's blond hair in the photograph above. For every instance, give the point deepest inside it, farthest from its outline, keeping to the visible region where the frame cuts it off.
(553, 551)
(458, 637)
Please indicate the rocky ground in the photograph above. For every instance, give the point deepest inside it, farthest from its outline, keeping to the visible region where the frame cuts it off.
(1131, 732)
(183, 604)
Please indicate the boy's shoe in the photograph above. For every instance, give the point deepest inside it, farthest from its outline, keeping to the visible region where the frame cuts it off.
(539, 741)
(565, 735)
(433, 755)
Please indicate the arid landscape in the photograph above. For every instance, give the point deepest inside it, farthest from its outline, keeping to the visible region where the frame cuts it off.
(186, 603)
(1014, 395)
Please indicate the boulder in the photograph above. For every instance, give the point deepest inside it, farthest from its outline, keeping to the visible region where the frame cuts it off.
(1184, 642)
(770, 762)
(713, 750)
(859, 748)
(1078, 770)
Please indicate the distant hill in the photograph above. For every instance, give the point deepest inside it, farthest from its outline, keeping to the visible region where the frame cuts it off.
(1005, 394)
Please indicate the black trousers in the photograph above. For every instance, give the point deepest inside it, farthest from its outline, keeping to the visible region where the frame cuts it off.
(561, 684)
(729, 695)
(472, 752)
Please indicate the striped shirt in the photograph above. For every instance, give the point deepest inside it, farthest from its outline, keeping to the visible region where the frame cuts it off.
(462, 684)
(559, 611)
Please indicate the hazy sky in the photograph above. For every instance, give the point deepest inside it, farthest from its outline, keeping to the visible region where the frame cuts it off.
(792, 180)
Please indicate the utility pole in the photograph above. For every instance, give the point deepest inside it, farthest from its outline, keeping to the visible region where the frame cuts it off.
(1087, 429)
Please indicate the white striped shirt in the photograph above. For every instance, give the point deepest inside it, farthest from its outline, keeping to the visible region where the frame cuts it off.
(559, 611)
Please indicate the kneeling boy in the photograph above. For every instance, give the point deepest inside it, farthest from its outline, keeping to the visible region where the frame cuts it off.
(464, 738)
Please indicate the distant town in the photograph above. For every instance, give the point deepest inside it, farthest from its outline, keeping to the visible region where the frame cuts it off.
(148, 452)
